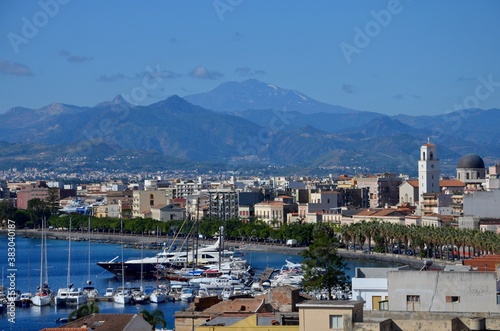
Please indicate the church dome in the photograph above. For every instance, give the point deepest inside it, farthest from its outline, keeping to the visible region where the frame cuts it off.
(471, 161)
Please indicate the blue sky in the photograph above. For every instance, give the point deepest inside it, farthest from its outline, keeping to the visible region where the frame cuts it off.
(393, 57)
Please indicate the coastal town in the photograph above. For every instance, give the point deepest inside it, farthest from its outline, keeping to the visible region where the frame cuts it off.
(450, 279)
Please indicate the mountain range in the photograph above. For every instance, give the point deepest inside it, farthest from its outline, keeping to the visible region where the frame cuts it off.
(239, 125)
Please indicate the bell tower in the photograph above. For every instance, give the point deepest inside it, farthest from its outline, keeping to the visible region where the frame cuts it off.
(428, 169)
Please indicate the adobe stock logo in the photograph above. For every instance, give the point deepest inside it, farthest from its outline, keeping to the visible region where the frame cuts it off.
(30, 28)
(223, 6)
(363, 37)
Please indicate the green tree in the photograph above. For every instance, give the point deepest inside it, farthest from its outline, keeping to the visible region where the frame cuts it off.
(84, 310)
(53, 199)
(156, 317)
(37, 209)
(7, 210)
(324, 268)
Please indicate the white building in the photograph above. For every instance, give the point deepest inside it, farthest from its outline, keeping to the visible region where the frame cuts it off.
(166, 213)
(370, 285)
(443, 291)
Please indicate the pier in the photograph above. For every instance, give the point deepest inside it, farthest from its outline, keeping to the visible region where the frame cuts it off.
(266, 275)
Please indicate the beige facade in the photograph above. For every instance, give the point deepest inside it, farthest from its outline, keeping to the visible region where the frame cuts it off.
(274, 212)
(144, 200)
(329, 315)
(408, 192)
(383, 189)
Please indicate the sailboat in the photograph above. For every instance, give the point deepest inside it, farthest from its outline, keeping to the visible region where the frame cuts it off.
(138, 295)
(160, 293)
(90, 290)
(43, 295)
(122, 295)
(69, 295)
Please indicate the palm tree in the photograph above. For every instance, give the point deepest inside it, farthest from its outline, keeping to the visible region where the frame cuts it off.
(345, 235)
(154, 318)
(84, 310)
(372, 228)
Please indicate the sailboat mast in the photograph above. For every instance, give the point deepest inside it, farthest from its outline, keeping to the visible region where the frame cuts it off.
(123, 268)
(69, 254)
(45, 260)
(41, 256)
(88, 231)
(197, 228)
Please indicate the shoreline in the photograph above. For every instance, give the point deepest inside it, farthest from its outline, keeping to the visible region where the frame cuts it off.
(116, 238)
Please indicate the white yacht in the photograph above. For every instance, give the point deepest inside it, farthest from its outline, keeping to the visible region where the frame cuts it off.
(122, 296)
(70, 296)
(159, 294)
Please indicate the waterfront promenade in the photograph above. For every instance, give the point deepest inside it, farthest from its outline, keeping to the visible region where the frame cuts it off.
(412, 261)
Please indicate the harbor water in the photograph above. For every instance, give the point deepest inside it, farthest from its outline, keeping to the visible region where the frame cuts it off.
(27, 277)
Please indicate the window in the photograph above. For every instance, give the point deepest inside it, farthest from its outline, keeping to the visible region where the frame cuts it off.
(413, 298)
(452, 298)
(336, 322)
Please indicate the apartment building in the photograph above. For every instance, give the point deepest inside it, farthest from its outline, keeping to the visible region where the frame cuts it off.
(223, 204)
(142, 201)
(383, 189)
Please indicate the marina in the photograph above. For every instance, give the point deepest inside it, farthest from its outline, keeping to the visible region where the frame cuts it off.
(263, 263)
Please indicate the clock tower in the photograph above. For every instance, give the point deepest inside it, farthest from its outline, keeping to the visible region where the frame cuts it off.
(428, 170)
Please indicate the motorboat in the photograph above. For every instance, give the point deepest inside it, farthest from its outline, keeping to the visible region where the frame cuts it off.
(109, 293)
(187, 294)
(122, 296)
(70, 296)
(91, 292)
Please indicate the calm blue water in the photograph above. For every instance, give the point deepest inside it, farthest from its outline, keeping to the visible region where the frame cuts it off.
(28, 276)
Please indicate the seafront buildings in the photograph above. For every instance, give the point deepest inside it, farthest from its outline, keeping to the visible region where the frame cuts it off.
(469, 200)
(456, 298)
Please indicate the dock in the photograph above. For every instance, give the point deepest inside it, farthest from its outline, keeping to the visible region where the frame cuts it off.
(266, 275)
(97, 299)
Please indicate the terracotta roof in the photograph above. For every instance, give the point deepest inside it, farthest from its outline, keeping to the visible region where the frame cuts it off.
(102, 322)
(451, 182)
(366, 213)
(413, 182)
(442, 183)
(484, 263)
(237, 305)
(379, 213)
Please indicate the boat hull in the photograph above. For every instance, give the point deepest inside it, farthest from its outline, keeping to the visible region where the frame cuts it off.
(40, 300)
(131, 270)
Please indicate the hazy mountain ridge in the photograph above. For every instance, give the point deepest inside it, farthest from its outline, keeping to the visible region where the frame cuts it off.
(254, 94)
(179, 133)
